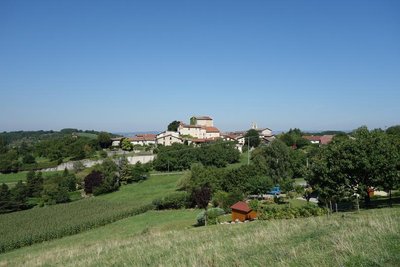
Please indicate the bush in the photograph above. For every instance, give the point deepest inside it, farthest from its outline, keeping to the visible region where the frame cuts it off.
(103, 154)
(291, 195)
(176, 200)
(212, 216)
(268, 212)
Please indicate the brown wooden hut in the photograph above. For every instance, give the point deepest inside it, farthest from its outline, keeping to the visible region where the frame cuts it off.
(242, 212)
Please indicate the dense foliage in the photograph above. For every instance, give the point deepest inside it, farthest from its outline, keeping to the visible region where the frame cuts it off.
(294, 138)
(45, 149)
(252, 138)
(175, 200)
(173, 126)
(350, 167)
(180, 157)
(268, 212)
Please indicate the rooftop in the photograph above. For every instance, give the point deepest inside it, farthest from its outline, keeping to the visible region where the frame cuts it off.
(241, 206)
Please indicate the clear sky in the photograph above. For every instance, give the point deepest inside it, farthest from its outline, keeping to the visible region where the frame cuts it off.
(137, 65)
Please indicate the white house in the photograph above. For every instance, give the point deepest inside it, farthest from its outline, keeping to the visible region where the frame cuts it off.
(168, 138)
(192, 130)
(116, 141)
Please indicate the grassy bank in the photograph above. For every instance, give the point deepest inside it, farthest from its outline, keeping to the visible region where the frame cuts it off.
(23, 228)
(368, 238)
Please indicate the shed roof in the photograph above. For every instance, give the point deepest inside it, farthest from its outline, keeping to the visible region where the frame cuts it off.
(241, 206)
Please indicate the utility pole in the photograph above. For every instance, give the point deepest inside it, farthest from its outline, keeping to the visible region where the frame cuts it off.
(248, 150)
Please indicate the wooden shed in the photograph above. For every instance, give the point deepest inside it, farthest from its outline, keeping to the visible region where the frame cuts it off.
(242, 212)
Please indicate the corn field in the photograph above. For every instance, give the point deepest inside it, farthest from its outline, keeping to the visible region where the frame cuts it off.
(40, 224)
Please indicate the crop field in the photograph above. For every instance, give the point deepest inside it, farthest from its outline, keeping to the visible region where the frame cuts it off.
(368, 238)
(24, 228)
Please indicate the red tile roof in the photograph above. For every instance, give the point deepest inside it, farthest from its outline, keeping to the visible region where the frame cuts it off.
(143, 137)
(211, 129)
(241, 206)
(326, 139)
(313, 138)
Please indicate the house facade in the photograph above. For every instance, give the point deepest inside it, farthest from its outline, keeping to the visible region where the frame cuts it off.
(205, 121)
(200, 128)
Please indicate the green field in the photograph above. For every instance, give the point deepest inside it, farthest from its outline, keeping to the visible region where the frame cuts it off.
(38, 224)
(368, 238)
(12, 178)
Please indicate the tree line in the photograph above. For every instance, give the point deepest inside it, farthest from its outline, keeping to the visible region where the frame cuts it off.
(18, 152)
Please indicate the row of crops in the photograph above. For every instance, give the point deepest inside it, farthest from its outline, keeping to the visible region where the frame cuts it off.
(40, 224)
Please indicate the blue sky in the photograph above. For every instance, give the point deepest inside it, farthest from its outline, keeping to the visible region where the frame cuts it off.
(137, 65)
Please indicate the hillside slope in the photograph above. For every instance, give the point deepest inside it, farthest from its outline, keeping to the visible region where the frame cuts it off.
(370, 238)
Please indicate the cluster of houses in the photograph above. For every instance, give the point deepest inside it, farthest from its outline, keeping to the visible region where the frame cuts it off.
(201, 129)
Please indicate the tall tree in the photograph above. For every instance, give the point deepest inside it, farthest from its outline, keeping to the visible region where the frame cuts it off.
(252, 138)
(202, 196)
(104, 140)
(34, 183)
(173, 126)
(5, 199)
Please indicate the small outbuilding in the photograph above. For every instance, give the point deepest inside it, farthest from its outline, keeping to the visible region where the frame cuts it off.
(242, 212)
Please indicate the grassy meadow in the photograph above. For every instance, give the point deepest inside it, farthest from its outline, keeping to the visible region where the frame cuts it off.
(368, 238)
(24, 228)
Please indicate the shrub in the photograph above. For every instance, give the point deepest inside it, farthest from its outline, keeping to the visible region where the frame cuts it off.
(267, 212)
(212, 216)
(225, 200)
(176, 200)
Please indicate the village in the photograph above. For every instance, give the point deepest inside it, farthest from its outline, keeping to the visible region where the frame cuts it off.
(201, 129)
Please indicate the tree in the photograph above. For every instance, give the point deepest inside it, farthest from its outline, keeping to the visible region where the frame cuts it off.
(54, 190)
(124, 170)
(275, 161)
(139, 172)
(110, 178)
(93, 180)
(28, 159)
(5, 199)
(126, 145)
(294, 138)
(68, 181)
(19, 195)
(34, 183)
(252, 138)
(104, 140)
(173, 126)
(353, 166)
(202, 196)
(3, 145)
(393, 130)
